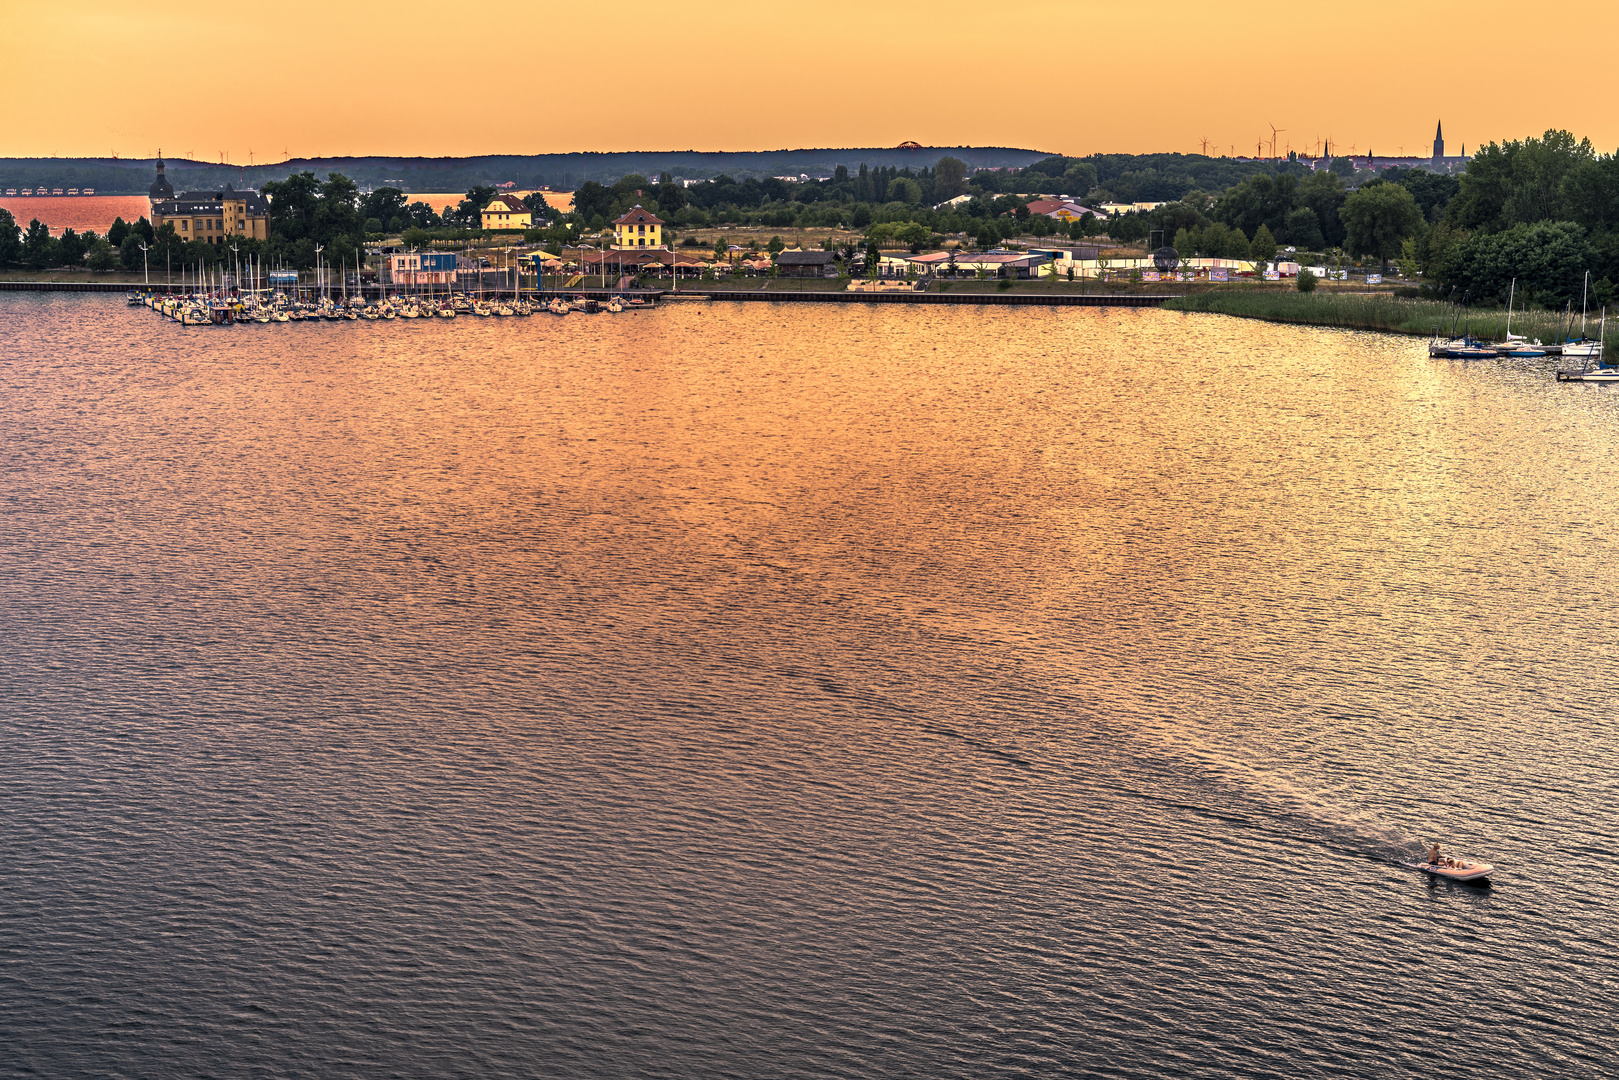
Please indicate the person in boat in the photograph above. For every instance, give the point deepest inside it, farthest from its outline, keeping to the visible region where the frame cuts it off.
(1433, 856)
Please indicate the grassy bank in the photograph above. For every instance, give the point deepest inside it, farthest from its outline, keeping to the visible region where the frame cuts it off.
(1374, 311)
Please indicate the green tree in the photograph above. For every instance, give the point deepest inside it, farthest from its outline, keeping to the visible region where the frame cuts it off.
(1306, 280)
(1516, 182)
(1547, 258)
(293, 206)
(1589, 193)
(949, 178)
(913, 234)
(383, 203)
(337, 212)
(671, 198)
(10, 239)
(721, 247)
(416, 238)
(119, 230)
(1378, 218)
(904, 189)
(1078, 179)
(862, 216)
(102, 257)
(38, 249)
(1304, 230)
(1324, 193)
(129, 252)
(776, 246)
(1235, 245)
(469, 214)
(591, 199)
(71, 247)
(168, 250)
(420, 216)
(1262, 249)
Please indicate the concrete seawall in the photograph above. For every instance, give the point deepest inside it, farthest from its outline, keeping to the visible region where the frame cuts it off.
(1016, 299)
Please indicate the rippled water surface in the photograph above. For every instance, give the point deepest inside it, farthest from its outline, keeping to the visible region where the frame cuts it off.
(737, 691)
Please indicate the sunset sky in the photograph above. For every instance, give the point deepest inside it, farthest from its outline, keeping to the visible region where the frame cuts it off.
(308, 79)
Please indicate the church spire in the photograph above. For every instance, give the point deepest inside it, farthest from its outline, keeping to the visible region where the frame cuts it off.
(1439, 141)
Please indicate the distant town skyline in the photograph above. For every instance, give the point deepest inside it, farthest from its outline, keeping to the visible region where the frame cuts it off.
(91, 80)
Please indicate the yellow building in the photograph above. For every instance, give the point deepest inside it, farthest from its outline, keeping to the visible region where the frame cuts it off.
(214, 217)
(507, 212)
(638, 229)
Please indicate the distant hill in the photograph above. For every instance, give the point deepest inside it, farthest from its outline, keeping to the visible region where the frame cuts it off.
(131, 176)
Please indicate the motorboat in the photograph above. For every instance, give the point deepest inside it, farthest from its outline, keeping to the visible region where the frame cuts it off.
(1463, 870)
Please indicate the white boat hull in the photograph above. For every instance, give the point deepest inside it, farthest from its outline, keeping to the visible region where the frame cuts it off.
(1463, 871)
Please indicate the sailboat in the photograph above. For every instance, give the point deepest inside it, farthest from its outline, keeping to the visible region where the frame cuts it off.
(1591, 369)
(1516, 344)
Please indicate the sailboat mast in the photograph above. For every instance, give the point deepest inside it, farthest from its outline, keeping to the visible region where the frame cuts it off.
(1585, 293)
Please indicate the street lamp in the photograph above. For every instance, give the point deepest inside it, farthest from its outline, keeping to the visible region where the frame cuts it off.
(145, 270)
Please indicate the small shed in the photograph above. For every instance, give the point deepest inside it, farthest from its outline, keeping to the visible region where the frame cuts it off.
(810, 264)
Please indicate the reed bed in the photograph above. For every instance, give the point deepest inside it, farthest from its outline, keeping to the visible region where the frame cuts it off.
(1380, 311)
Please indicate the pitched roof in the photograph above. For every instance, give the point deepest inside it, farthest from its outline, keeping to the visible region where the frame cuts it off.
(507, 204)
(200, 202)
(638, 216)
(805, 258)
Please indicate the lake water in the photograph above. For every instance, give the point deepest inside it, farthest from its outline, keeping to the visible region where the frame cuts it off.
(742, 690)
(81, 213)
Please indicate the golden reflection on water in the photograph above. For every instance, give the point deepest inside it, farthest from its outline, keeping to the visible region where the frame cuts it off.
(819, 654)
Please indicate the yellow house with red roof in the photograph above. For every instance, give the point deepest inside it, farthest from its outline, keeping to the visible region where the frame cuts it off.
(638, 229)
(507, 212)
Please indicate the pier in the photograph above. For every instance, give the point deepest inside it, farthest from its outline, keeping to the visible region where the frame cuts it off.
(374, 292)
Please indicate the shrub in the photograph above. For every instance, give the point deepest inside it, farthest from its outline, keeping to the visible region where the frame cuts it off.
(1307, 280)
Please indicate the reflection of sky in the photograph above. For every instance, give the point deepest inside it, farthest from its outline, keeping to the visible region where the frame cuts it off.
(711, 674)
(78, 212)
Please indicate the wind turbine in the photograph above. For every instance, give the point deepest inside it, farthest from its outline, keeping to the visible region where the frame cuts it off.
(1274, 130)
(1205, 146)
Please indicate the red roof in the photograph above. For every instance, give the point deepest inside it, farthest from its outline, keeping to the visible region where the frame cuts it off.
(638, 216)
(510, 204)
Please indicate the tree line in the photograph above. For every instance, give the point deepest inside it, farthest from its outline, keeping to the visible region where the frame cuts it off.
(1540, 210)
(305, 214)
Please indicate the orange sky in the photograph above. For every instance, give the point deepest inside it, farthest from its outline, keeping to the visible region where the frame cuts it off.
(84, 78)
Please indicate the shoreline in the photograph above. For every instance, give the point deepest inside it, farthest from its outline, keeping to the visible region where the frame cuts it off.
(1382, 312)
(1007, 298)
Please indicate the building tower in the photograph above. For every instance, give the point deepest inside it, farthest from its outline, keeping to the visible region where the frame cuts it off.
(160, 189)
(1439, 143)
